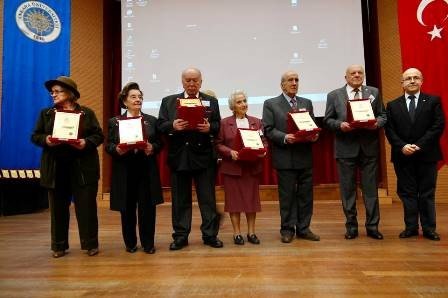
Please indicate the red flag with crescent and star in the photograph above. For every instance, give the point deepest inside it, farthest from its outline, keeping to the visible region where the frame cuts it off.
(423, 26)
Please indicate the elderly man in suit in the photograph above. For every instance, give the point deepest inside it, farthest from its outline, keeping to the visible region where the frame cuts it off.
(356, 149)
(292, 160)
(415, 124)
(191, 156)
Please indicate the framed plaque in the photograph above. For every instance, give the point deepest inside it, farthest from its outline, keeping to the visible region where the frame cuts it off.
(29, 174)
(5, 174)
(360, 113)
(249, 145)
(191, 110)
(66, 126)
(301, 124)
(131, 133)
(22, 173)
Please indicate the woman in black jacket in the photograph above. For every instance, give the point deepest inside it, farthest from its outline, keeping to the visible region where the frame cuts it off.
(135, 174)
(70, 170)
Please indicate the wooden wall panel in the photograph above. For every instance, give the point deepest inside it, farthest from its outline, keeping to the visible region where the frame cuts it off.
(87, 57)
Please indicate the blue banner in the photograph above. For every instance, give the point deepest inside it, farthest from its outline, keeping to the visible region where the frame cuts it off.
(36, 48)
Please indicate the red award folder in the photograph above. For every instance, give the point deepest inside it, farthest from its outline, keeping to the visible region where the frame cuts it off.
(249, 145)
(131, 133)
(360, 113)
(191, 110)
(304, 129)
(67, 126)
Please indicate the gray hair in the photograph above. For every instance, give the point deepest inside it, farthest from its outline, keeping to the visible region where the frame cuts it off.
(233, 96)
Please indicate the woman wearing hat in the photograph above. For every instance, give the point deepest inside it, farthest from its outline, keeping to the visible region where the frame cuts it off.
(70, 171)
(136, 188)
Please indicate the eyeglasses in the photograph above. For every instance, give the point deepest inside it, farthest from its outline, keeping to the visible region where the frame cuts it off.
(56, 92)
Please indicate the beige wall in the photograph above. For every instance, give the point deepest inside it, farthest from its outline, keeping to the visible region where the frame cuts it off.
(390, 59)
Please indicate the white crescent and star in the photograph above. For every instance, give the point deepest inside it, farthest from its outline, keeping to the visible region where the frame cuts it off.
(435, 32)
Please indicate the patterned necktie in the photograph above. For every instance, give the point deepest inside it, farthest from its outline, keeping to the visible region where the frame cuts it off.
(412, 107)
(293, 102)
(357, 95)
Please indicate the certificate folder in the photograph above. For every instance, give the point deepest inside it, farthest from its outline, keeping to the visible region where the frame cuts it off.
(249, 145)
(191, 110)
(302, 126)
(131, 133)
(360, 113)
(66, 126)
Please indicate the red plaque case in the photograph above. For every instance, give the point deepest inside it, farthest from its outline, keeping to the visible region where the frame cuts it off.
(137, 144)
(301, 135)
(194, 114)
(358, 123)
(246, 153)
(75, 139)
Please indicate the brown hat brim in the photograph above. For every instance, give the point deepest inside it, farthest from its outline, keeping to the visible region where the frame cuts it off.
(49, 84)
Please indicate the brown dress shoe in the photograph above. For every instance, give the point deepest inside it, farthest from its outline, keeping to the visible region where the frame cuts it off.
(92, 252)
(287, 238)
(58, 253)
(308, 236)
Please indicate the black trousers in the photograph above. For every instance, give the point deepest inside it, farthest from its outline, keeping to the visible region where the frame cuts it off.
(181, 183)
(146, 222)
(347, 169)
(295, 190)
(84, 198)
(416, 186)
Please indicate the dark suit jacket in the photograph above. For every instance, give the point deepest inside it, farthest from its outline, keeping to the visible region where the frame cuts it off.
(85, 163)
(425, 132)
(148, 170)
(225, 143)
(348, 144)
(285, 156)
(189, 149)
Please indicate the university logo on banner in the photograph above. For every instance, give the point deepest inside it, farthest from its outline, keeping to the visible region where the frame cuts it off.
(36, 48)
(38, 21)
(423, 26)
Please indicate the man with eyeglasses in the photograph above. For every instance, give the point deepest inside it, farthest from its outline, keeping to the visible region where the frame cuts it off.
(415, 124)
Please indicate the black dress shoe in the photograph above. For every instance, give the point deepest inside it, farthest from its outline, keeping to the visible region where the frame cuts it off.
(92, 252)
(131, 249)
(408, 233)
(58, 253)
(253, 239)
(308, 236)
(351, 235)
(375, 234)
(214, 242)
(178, 244)
(238, 240)
(431, 235)
(287, 238)
(150, 250)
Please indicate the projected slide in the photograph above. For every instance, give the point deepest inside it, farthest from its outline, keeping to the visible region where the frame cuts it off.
(245, 45)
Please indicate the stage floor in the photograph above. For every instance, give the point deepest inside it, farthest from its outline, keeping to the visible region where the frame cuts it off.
(333, 267)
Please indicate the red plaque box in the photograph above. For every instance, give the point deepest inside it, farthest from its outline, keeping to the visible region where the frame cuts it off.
(135, 134)
(191, 110)
(249, 145)
(305, 130)
(360, 113)
(66, 126)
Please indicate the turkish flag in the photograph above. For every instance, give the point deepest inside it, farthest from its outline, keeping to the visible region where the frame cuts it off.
(423, 26)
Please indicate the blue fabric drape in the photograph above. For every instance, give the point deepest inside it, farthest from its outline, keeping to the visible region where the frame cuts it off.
(36, 48)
